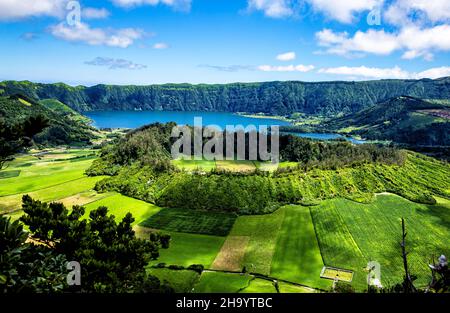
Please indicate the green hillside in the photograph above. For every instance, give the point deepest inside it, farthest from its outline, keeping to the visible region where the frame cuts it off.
(275, 98)
(402, 119)
(66, 127)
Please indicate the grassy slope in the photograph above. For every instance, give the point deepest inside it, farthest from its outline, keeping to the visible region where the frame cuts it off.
(262, 230)
(213, 282)
(120, 205)
(182, 281)
(297, 255)
(190, 221)
(187, 249)
(352, 234)
(42, 175)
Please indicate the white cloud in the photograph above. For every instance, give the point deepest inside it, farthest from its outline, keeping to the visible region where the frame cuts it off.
(414, 41)
(389, 73)
(181, 5)
(94, 13)
(288, 56)
(272, 8)
(113, 64)
(81, 32)
(20, 9)
(344, 11)
(287, 68)
(161, 46)
(404, 12)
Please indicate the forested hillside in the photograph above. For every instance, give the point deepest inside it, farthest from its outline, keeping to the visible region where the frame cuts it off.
(65, 127)
(277, 98)
(405, 120)
(139, 168)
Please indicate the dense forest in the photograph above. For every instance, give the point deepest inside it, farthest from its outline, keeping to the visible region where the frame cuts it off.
(276, 98)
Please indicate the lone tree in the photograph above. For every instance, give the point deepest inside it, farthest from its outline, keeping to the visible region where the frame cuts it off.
(408, 285)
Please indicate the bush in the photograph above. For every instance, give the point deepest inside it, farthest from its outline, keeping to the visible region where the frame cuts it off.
(196, 268)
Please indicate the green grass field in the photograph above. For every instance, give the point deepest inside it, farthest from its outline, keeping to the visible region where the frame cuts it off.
(194, 165)
(352, 234)
(54, 193)
(182, 281)
(119, 205)
(297, 255)
(187, 249)
(262, 231)
(290, 288)
(191, 221)
(216, 282)
(41, 174)
(258, 285)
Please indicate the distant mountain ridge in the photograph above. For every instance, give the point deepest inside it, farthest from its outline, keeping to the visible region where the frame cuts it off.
(401, 119)
(276, 98)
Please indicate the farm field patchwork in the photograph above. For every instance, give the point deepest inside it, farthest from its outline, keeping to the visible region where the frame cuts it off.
(77, 187)
(297, 255)
(41, 175)
(191, 221)
(372, 232)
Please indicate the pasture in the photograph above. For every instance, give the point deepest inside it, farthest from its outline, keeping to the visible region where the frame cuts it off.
(297, 255)
(352, 234)
(119, 205)
(191, 221)
(182, 281)
(187, 249)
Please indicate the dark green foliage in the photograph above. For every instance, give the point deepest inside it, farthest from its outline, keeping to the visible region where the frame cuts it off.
(337, 154)
(17, 134)
(112, 259)
(59, 128)
(196, 267)
(278, 98)
(25, 267)
(191, 221)
(342, 287)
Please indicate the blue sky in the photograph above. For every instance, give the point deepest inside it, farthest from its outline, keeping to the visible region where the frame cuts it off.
(222, 41)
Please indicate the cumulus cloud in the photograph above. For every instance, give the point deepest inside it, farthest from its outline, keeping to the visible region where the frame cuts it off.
(288, 56)
(389, 73)
(160, 46)
(344, 11)
(180, 5)
(272, 8)
(20, 9)
(403, 12)
(113, 64)
(94, 13)
(414, 41)
(287, 68)
(82, 32)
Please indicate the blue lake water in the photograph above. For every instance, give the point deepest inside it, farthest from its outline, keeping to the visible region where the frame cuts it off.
(134, 119)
